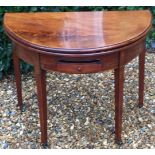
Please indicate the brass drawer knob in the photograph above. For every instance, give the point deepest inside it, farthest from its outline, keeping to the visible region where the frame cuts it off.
(79, 68)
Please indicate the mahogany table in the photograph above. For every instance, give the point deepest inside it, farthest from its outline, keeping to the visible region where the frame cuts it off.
(79, 43)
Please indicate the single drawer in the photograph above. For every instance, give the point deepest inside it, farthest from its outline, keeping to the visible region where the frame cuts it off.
(79, 65)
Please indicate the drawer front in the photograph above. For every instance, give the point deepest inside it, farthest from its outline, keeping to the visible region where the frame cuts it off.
(79, 65)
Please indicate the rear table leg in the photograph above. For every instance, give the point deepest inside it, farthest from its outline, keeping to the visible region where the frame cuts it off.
(141, 78)
(17, 72)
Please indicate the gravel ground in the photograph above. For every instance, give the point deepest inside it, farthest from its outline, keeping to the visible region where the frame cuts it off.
(80, 111)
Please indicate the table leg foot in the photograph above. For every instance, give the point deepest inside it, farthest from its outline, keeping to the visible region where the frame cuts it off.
(140, 105)
(118, 142)
(45, 145)
(20, 106)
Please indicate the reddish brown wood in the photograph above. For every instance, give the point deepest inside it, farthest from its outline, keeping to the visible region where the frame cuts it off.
(79, 65)
(119, 82)
(141, 77)
(77, 32)
(17, 73)
(79, 43)
(40, 76)
(26, 54)
(119, 77)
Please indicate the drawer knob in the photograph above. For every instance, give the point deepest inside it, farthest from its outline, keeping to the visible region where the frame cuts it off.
(79, 68)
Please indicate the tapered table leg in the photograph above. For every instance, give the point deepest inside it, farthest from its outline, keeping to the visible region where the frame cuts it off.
(141, 78)
(40, 76)
(119, 82)
(17, 73)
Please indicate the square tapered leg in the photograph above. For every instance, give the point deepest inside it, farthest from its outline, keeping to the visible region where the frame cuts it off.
(40, 76)
(17, 73)
(141, 78)
(119, 82)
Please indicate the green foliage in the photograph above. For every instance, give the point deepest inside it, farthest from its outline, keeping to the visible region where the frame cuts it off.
(5, 44)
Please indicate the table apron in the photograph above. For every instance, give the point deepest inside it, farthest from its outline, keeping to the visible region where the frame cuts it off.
(82, 64)
(90, 64)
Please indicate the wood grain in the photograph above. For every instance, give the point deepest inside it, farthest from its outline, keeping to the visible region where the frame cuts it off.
(72, 32)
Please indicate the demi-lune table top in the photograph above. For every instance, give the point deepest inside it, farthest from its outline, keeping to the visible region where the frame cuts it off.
(72, 32)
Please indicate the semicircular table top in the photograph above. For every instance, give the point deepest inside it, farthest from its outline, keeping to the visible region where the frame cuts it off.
(72, 32)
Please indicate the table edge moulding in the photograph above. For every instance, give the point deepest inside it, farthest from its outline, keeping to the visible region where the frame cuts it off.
(78, 43)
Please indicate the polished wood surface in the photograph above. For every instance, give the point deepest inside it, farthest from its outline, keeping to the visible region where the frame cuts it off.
(78, 43)
(74, 32)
